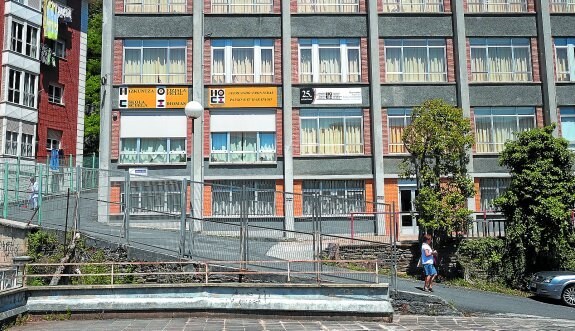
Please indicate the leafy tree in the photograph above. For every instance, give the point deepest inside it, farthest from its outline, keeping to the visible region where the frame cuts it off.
(438, 139)
(93, 68)
(537, 204)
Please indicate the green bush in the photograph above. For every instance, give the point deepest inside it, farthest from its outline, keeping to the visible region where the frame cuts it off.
(481, 258)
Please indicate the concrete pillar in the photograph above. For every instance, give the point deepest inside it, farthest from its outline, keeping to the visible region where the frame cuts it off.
(545, 41)
(198, 133)
(287, 116)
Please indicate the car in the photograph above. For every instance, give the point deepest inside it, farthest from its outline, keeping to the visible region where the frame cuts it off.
(558, 285)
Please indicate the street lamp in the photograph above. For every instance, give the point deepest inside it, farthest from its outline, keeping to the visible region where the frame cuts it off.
(195, 111)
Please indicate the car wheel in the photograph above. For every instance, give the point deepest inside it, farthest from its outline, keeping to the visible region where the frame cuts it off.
(568, 295)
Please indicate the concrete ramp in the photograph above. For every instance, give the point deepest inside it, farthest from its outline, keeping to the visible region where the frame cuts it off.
(278, 299)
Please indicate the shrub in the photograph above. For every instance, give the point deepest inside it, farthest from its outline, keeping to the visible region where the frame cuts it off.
(481, 258)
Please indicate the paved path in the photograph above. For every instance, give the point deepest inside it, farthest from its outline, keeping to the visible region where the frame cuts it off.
(408, 322)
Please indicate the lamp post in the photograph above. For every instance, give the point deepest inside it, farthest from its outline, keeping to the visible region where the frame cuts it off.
(195, 111)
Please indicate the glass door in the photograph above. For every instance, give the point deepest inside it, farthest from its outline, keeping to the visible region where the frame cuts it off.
(407, 221)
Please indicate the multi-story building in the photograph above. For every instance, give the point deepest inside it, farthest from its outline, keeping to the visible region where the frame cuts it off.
(43, 78)
(312, 96)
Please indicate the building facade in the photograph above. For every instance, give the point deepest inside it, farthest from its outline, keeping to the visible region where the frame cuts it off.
(310, 96)
(43, 79)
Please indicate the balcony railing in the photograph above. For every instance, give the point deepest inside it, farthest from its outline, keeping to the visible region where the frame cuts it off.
(497, 7)
(412, 6)
(35, 4)
(334, 6)
(155, 78)
(242, 7)
(562, 6)
(158, 6)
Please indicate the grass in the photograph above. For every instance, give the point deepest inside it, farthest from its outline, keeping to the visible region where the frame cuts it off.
(483, 285)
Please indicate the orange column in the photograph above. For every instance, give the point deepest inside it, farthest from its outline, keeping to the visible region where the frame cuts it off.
(298, 202)
(391, 193)
(369, 198)
(115, 198)
(279, 198)
(477, 194)
(207, 200)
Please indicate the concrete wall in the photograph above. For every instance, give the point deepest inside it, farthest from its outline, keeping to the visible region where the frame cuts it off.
(13, 241)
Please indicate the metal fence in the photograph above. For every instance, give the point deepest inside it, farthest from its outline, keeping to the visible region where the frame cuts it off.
(9, 278)
(243, 223)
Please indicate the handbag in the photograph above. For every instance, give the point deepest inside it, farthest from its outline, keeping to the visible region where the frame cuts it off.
(419, 264)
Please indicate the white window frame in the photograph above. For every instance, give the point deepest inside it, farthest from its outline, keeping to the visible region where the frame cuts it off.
(27, 145)
(562, 6)
(335, 198)
(29, 46)
(227, 197)
(26, 97)
(399, 6)
(485, 44)
(567, 44)
(59, 48)
(164, 195)
(497, 185)
(318, 115)
(168, 153)
(315, 45)
(52, 142)
(52, 88)
(35, 4)
(337, 5)
(141, 6)
(484, 6)
(405, 76)
(493, 146)
(10, 144)
(406, 118)
(168, 48)
(567, 113)
(217, 7)
(228, 56)
(229, 153)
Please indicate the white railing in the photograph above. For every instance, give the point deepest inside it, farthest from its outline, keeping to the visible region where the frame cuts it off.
(497, 6)
(158, 6)
(411, 6)
(562, 6)
(242, 7)
(335, 6)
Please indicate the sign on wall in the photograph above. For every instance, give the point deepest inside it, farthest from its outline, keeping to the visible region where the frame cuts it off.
(330, 96)
(152, 97)
(243, 97)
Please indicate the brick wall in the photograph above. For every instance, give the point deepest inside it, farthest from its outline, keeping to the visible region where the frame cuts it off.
(559, 122)
(207, 200)
(366, 132)
(298, 198)
(535, 60)
(531, 6)
(279, 132)
(472, 122)
(296, 132)
(189, 136)
(385, 132)
(369, 197)
(382, 60)
(293, 6)
(364, 61)
(2, 6)
(190, 6)
(207, 134)
(115, 139)
(450, 60)
(468, 56)
(554, 60)
(278, 61)
(477, 194)
(189, 61)
(391, 195)
(207, 61)
(118, 61)
(116, 197)
(277, 7)
(294, 61)
(279, 197)
(447, 6)
(539, 117)
(119, 6)
(207, 6)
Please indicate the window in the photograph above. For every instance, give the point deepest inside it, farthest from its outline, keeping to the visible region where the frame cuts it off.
(11, 143)
(329, 61)
(337, 197)
(497, 6)
(331, 132)
(54, 139)
(155, 6)
(153, 150)
(21, 88)
(242, 6)
(500, 60)
(154, 61)
(562, 6)
(24, 39)
(494, 126)
(59, 48)
(398, 119)
(328, 6)
(243, 147)
(412, 6)
(491, 188)
(565, 59)
(36, 4)
(27, 146)
(415, 60)
(152, 197)
(568, 124)
(227, 197)
(242, 61)
(55, 94)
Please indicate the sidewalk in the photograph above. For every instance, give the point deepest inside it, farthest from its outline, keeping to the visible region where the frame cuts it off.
(405, 322)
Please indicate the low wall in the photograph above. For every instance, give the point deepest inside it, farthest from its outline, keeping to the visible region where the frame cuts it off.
(13, 241)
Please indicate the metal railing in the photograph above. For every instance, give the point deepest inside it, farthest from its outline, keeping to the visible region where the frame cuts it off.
(233, 7)
(562, 6)
(409, 6)
(206, 272)
(497, 6)
(160, 6)
(9, 278)
(335, 6)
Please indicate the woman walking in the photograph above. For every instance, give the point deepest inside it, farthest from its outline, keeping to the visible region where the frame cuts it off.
(427, 255)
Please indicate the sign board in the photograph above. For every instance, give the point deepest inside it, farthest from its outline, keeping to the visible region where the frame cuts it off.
(243, 97)
(152, 97)
(138, 171)
(330, 96)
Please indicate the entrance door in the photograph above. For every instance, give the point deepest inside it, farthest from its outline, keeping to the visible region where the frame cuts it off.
(407, 221)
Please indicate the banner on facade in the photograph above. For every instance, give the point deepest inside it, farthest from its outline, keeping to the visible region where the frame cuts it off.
(243, 97)
(330, 96)
(152, 97)
(51, 20)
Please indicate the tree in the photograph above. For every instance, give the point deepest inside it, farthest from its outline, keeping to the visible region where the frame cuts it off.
(93, 68)
(537, 205)
(438, 140)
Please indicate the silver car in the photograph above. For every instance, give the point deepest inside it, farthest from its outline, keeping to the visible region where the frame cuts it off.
(558, 285)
